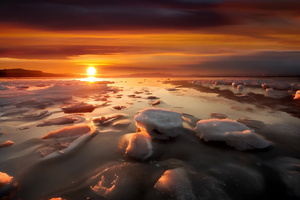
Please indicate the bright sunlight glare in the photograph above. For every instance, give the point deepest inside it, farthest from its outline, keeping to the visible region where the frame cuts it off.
(91, 71)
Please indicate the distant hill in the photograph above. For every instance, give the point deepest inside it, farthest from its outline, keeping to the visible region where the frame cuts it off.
(29, 73)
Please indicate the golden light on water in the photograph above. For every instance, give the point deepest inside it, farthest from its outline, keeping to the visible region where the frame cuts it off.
(91, 71)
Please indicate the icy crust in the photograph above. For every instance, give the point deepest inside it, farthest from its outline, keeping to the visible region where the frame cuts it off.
(68, 132)
(159, 123)
(5, 179)
(136, 145)
(176, 184)
(232, 132)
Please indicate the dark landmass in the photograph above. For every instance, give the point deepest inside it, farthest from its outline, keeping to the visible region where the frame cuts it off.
(29, 73)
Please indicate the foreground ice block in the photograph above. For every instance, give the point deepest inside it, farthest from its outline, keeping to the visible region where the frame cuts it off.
(136, 145)
(232, 132)
(159, 123)
(176, 184)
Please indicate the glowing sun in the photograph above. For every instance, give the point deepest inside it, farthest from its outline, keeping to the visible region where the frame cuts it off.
(91, 71)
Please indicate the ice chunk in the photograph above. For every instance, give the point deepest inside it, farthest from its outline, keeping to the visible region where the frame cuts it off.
(159, 123)
(240, 87)
(232, 132)
(119, 107)
(59, 120)
(104, 120)
(176, 184)
(136, 145)
(157, 102)
(68, 132)
(297, 95)
(5, 179)
(6, 143)
(218, 115)
(79, 108)
(36, 116)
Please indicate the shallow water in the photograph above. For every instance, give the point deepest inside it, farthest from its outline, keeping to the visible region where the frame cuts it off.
(215, 170)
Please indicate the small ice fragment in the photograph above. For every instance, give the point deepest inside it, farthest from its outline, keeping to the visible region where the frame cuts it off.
(58, 121)
(5, 179)
(171, 89)
(218, 115)
(160, 123)
(240, 87)
(157, 102)
(68, 132)
(152, 97)
(297, 95)
(137, 145)
(6, 143)
(176, 184)
(103, 120)
(119, 107)
(79, 108)
(232, 132)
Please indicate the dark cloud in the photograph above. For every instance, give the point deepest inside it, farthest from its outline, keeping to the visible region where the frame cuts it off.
(264, 63)
(62, 51)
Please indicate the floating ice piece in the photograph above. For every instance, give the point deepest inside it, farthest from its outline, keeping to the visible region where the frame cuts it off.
(121, 123)
(5, 179)
(79, 108)
(6, 143)
(152, 97)
(104, 120)
(252, 123)
(77, 136)
(288, 169)
(119, 107)
(36, 116)
(136, 145)
(68, 132)
(176, 184)
(159, 123)
(297, 95)
(270, 92)
(218, 115)
(60, 120)
(232, 132)
(240, 87)
(157, 102)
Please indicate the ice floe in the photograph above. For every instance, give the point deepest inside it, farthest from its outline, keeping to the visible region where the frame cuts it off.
(5, 179)
(79, 108)
(61, 120)
(107, 119)
(6, 143)
(160, 123)
(232, 132)
(157, 102)
(66, 140)
(136, 145)
(175, 184)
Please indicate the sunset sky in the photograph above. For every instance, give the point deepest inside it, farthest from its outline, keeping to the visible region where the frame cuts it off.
(207, 37)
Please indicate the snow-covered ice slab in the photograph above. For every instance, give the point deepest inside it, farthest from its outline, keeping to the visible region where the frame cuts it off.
(176, 184)
(159, 123)
(79, 108)
(235, 134)
(136, 145)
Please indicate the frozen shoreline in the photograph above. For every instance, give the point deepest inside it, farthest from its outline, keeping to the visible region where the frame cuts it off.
(225, 169)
